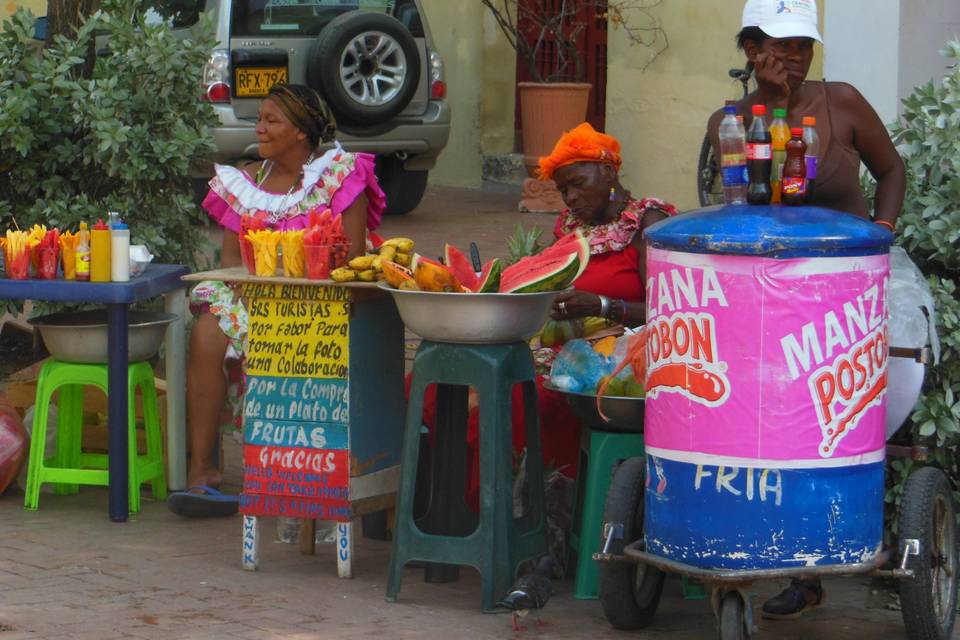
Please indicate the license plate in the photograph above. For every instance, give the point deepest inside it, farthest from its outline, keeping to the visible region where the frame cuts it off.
(255, 82)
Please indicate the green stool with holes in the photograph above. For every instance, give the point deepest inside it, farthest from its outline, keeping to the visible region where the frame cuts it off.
(600, 451)
(449, 533)
(70, 466)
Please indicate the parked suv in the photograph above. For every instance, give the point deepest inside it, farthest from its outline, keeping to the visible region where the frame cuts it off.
(372, 60)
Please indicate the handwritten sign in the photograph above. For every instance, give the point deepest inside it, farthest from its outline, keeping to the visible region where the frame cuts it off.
(297, 404)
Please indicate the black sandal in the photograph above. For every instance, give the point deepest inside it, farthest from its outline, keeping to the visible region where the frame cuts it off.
(800, 596)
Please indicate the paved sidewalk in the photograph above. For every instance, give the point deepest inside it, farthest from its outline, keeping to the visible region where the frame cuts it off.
(66, 571)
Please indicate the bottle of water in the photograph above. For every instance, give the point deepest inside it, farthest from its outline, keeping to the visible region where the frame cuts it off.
(733, 159)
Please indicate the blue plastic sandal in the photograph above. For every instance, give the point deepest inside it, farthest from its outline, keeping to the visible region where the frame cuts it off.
(202, 501)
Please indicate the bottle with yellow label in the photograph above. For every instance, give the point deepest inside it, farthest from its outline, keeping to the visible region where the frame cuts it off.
(100, 252)
(82, 255)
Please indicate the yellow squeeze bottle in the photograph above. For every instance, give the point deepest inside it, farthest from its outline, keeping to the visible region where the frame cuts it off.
(100, 252)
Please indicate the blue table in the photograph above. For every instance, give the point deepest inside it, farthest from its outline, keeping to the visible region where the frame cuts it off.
(157, 279)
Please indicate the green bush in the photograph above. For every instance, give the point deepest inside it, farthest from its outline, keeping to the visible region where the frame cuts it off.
(927, 136)
(72, 148)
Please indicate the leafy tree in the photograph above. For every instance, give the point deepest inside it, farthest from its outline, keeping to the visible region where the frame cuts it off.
(73, 148)
(929, 229)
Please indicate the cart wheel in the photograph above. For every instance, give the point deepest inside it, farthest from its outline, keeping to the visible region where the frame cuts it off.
(733, 617)
(629, 591)
(928, 600)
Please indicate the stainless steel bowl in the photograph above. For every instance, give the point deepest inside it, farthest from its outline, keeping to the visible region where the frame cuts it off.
(81, 336)
(472, 318)
(625, 414)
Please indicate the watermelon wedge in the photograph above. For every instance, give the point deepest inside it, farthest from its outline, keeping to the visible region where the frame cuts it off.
(487, 282)
(573, 241)
(540, 273)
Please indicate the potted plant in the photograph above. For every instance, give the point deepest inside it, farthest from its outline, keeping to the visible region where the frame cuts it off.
(547, 36)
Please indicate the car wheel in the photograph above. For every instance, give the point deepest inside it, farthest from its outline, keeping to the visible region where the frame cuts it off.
(366, 65)
(404, 189)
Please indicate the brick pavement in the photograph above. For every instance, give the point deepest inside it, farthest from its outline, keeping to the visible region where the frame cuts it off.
(67, 572)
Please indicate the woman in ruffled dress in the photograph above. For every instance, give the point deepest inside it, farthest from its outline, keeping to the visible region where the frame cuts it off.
(293, 179)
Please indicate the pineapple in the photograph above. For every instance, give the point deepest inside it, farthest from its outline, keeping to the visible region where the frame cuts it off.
(524, 243)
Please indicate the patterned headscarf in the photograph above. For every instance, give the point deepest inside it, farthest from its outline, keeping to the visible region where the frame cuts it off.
(582, 144)
(306, 110)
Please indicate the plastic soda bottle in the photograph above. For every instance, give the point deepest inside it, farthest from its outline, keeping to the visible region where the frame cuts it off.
(813, 150)
(733, 158)
(759, 158)
(793, 183)
(779, 136)
(82, 255)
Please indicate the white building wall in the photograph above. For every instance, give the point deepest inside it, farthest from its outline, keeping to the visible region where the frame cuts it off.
(886, 47)
(861, 46)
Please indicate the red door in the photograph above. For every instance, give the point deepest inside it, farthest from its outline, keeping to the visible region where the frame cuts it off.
(591, 37)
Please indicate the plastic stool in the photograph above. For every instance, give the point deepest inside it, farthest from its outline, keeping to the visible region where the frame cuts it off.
(599, 453)
(70, 467)
(446, 534)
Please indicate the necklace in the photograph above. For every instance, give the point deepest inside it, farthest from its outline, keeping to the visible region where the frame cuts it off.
(277, 214)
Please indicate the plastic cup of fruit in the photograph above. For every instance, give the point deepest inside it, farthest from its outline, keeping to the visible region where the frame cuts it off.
(319, 259)
(47, 265)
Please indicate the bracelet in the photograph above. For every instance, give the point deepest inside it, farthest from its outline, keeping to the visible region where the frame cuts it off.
(888, 225)
(623, 312)
(604, 306)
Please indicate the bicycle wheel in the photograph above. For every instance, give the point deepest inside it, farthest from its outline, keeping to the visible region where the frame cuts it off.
(709, 181)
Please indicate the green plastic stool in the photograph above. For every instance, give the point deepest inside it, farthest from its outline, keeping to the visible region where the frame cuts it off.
(446, 534)
(70, 466)
(599, 452)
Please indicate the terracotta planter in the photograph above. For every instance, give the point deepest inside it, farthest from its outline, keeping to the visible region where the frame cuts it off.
(546, 111)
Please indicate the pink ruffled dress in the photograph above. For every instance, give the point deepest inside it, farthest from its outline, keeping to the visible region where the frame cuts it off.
(331, 182)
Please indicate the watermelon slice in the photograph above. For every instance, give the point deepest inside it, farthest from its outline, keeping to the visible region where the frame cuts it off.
(573, 241)
(458, 263)
(540, 273)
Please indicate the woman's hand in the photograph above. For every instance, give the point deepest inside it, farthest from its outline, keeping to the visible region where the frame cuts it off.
(575, 304)
(771, 78)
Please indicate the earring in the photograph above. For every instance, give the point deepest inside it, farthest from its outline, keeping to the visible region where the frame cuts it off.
(613, 194)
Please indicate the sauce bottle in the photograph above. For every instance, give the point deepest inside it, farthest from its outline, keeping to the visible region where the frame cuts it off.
(100, 252)
(793, 185)
(758, 158)
(82, 256)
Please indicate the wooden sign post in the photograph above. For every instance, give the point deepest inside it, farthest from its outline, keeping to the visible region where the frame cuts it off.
(323, 410)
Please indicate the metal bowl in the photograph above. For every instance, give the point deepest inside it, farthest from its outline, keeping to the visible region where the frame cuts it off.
(625, 414)
(81, 336)
(472, 318)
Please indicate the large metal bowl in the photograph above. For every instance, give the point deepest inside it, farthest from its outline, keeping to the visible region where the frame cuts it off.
(625, 414)
(81, 336)
(472, 318)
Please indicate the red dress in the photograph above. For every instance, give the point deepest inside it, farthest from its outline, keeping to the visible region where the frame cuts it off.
(613, 271)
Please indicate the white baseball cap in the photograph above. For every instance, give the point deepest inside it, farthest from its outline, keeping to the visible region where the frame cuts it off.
(783, 18)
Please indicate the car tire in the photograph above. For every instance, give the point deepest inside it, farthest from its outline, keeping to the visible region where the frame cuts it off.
(366, 66)
(404, 189)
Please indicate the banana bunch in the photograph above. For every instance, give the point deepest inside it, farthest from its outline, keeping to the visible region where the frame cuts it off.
(367, 268)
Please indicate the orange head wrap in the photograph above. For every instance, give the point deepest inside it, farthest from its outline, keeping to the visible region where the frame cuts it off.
(582, 144)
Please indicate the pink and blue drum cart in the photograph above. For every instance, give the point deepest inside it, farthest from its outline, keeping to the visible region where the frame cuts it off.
(764, 423)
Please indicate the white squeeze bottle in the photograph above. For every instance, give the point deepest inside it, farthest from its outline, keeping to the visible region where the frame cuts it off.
(120, 252)
(813, 149)
(733, 159)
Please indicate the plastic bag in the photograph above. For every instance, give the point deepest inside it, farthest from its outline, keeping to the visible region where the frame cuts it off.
(912, 325)
(909, 296)
(578, 367)
(13, 445)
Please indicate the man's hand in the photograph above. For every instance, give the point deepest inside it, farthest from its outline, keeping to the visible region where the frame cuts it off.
(771, 77)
